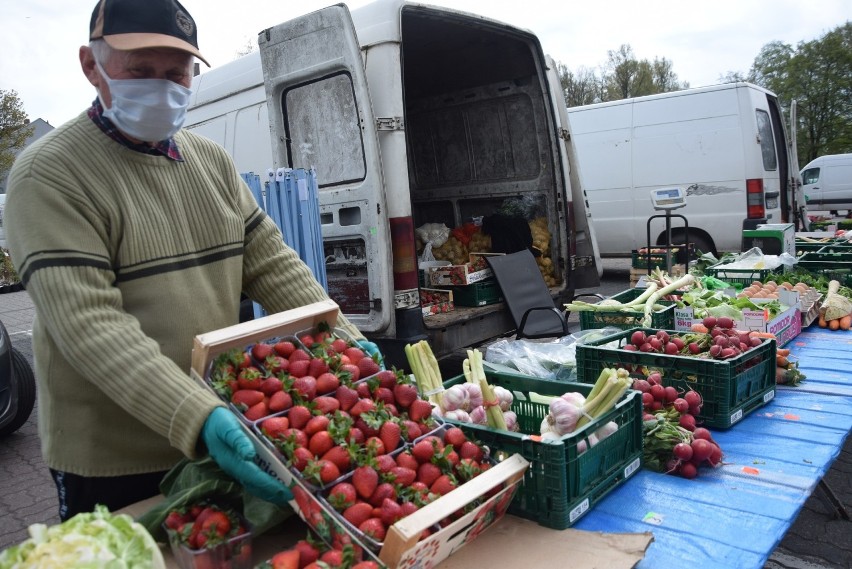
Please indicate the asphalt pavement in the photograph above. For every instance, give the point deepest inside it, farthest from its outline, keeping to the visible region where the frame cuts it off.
(816, 540)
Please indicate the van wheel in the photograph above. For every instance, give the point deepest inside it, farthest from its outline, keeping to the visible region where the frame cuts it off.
(699, 243)
(25, 385)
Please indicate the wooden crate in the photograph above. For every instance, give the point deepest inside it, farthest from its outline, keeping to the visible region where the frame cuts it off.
(402, 546)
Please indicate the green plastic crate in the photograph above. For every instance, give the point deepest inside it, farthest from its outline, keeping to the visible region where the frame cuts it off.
(829, 261)
(639, 260)
(626, 320)
(561, 484)
(477, 294)
(740, 277)
(731, 389)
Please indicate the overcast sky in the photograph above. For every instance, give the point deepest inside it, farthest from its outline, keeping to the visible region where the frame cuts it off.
(704, 41)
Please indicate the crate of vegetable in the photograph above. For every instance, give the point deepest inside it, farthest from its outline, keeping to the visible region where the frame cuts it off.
(657, 256)
(834, 264)
(569, 473)
(629, 317)
(732, 381)
(482, 293)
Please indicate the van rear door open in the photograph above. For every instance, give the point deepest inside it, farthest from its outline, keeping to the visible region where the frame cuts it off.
(318, 99)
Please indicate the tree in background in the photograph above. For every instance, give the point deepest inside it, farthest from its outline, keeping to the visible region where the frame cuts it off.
(623, 76)
(14, 129)
(818, 75)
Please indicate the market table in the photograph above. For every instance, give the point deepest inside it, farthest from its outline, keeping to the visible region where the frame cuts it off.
(735, 516)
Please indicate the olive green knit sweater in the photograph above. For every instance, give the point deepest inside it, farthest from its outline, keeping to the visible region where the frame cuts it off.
(127, 257)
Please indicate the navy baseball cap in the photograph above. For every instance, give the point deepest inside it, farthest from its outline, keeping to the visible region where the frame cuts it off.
(139, 24)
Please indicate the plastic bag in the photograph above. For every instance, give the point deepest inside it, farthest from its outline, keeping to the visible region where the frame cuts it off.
(550, 359)
(434, 233)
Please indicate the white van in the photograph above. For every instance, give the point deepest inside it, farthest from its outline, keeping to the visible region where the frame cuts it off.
(410, 114)
(828, 183)
(725, 145)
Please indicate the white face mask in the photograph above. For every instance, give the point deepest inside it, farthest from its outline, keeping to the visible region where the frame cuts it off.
(150, 110)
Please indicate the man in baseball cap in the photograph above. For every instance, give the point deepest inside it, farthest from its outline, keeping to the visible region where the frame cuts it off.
(137, 24)
(133, 236)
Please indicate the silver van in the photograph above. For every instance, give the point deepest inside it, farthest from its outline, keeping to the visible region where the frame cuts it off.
(827, 182)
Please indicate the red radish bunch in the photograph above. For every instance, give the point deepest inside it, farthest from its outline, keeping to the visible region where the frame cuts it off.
(656, 397)
(721, 341)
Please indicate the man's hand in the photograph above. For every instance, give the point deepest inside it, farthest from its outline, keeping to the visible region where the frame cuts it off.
(232, 450)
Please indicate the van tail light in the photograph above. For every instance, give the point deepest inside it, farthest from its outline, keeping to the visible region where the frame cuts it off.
(755, 199)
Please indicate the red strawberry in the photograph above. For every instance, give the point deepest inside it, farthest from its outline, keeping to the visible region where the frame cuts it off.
(299, 416)
(352, 370)
(308, 552)
(419, 410)
(384, 395)
(317, 367)
(387, 378)
(258, 411)
(423, 450)
(217, 522)
(443, 485)
(316, 424)
(405, 395)
(342, 496)
(407, 460)
(339, 345)
(403, 476)
(250, 378)
(175, 519)
(390, 435)
(469, 449)
(391, 512)
(354, 354)
(284, 348)
(280, 401)
(374, 528)
(306, 387)
(365, 479)
(307, 340)
(261, 351)
(320, 443)
(271, 386)
(327, 382)
(275, 427)
(362, 406)
(384, 463)
(299, 355)
(408, 508)
(298, 368)
(391, 408)
(367, 367)
(347, 397)
(366, 565)
(428, 473)
(247, 397)
(383, 490)
(356, 436)
(276, 364)
(297, 436)
(412, 430)
(455, 436)
(287, 559)
(332, 558)
(326, 405)
(358, 513)
(375, 444)
(339, 456)
(363, 389)
(301, 457)
(322, 471)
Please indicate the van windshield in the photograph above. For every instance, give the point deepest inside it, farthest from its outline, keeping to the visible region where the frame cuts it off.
(767, 144)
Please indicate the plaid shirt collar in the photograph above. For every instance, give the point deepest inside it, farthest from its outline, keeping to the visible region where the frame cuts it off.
(167, 148)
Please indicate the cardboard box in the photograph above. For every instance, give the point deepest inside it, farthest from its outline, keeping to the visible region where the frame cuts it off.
(786, 325)
(402, 546)
(475, 270)
(436, 301)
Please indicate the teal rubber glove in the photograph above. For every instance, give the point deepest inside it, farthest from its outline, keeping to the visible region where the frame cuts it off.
(372, 350)
(232, 450)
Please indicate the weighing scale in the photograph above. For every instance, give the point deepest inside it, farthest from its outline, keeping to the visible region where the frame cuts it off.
(668, 199)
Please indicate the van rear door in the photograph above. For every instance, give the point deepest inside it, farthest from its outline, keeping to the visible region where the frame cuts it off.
(321, 116)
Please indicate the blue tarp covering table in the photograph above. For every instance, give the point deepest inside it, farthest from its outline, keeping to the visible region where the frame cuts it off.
(735, 515)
